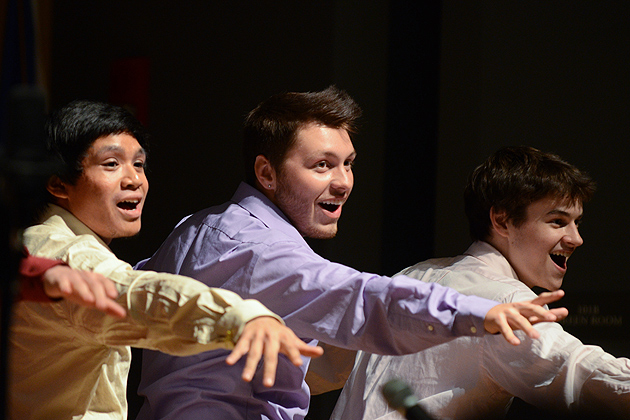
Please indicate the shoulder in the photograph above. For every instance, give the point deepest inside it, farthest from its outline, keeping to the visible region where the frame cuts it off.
(53, 239)
(48, 239)
(228, 234)
(232, 222)
(469, 276)
(478, 284)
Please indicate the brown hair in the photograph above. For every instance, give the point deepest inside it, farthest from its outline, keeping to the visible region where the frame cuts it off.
(513, 178)
(271, 128)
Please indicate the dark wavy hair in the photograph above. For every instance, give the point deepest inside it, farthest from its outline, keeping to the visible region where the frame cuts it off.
(271, 128)
(513, 178)
(72, 129)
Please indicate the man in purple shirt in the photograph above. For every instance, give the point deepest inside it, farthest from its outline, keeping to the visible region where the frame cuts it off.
(299, 157)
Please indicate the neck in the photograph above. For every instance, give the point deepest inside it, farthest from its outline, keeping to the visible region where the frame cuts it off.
(498, 242)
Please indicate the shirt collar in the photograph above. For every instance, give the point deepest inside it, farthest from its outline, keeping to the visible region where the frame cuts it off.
(69, 219)
(492, 257)
(257, 204)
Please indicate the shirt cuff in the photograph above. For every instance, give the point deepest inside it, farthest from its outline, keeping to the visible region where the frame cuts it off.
(237, 315)
(471, 313)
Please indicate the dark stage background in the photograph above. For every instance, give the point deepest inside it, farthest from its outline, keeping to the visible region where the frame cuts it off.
(442, 85)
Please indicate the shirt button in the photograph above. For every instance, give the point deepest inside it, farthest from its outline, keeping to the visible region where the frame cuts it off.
(430, 327)
(473, 330)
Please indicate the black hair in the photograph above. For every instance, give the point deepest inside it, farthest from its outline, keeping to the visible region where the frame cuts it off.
(72, 130)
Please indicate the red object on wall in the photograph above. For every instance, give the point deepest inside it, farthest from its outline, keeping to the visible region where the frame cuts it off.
(129, 86)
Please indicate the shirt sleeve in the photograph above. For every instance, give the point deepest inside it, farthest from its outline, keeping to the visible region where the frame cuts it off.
(333, 303)
(357, 310)
(557, 372)
(167, 312)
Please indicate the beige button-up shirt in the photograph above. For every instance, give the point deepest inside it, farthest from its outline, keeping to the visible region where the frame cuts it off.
(72, 362)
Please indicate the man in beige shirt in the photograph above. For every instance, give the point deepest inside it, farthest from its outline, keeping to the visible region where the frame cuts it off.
(70, 361)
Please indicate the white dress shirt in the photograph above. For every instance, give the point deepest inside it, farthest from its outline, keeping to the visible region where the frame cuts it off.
(477, 377)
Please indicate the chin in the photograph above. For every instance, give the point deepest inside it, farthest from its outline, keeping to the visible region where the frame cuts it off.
(553, 285)
(322, 233)
(128, 233)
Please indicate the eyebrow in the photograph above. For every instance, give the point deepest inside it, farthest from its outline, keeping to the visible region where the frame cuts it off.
(115, 148)
(327, 154)
(563, 213)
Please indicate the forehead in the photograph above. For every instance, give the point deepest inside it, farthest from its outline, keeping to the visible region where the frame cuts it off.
(552, 205)
(315, 139)
(120, 143)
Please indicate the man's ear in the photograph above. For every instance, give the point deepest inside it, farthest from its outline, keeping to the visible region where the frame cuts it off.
(57, 187)
(499, 221)
(265, 174)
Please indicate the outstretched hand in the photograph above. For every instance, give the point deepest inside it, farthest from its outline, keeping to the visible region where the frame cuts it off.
(266, 337)
(83, 288)
(506, 317)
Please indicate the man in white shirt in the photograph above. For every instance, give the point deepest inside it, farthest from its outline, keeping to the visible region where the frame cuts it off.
(524, 207)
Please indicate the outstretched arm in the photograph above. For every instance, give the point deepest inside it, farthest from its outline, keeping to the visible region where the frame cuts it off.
(43, 279)
(265, 337)
(83, 288)
(506, 317)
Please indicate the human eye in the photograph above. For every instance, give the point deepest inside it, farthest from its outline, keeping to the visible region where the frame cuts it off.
(559, 222)
(110, 164)
(322, 165)
(140, 165)
(349, 164)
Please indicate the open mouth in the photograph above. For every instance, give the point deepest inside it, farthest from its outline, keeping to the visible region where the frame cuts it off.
(331, 207)
(128, 205)
(559, 260)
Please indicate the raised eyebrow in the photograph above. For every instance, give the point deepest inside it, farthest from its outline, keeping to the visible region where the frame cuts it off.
(107, 149)
(558, 212)
(117, 149)
(332, 155)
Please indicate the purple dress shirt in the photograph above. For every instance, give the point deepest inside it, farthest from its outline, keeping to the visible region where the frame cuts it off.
(247, 245)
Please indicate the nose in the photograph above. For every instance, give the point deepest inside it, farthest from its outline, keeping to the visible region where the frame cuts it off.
(573, 236)
(343, 180)
(131, 178)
